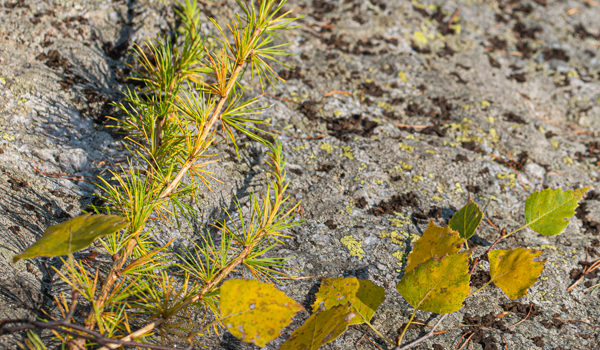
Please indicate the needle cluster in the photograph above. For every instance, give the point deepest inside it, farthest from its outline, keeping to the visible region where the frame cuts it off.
(188, 97)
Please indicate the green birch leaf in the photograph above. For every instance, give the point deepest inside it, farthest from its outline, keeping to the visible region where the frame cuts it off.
(466, 220)
(547, 212)
(319, 329)
(438, 285)
(73, 235)
(515, 270)
(435, 242)
(363, 295)
(255, 312)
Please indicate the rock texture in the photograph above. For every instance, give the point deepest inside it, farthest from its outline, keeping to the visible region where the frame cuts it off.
(394, 113)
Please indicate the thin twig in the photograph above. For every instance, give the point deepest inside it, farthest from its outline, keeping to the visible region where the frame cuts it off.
(466, 341)
(523, 320)
(73, 330)
(425, 337)
(335, 92)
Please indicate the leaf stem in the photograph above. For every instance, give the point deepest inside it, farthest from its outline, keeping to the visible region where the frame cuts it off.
(379, 333)
(517, 230)
(480, 288)
(406, 328)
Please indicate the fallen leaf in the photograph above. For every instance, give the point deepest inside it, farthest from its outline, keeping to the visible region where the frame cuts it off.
(466, 220)
(435, 241)
(514, 270)
(363, 295)
(547, 211)
(319, 329)
(73, 235)
(438, 285)
(255, 312)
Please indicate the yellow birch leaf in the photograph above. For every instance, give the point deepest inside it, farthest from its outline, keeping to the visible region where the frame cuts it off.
(435, 242)
(363, 295)
(255, 312)
(73, 235)
(514, 270)
(319, 329)
(547, 211)
(438, 285)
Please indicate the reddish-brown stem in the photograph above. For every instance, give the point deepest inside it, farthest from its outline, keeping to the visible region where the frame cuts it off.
(476, 260)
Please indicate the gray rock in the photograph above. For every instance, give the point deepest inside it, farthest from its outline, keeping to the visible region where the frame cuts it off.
(437, 118)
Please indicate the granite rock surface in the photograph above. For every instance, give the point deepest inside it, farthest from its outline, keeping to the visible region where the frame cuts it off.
(394, 113)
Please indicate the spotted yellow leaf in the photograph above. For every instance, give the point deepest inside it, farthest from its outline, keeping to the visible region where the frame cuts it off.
(438, 285)
(363, 296)
(435, 242)
(320, 328)
(255, 312)
(515, 270)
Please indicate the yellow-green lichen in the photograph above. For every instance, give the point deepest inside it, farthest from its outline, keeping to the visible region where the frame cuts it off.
(326, 147)
(493, 135)
(349, 206)
(358, 179)
(405, 147)
(299, 147)
(439, 187)
(347, 152)
(353, 245)
(463, 132)
(396, 237)
(452, 143)
(510, 179)
(397, 213)
(420, 38)
(399, 222)
(400, 256)
(385, 106)
(402, 76)
(459, 188)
